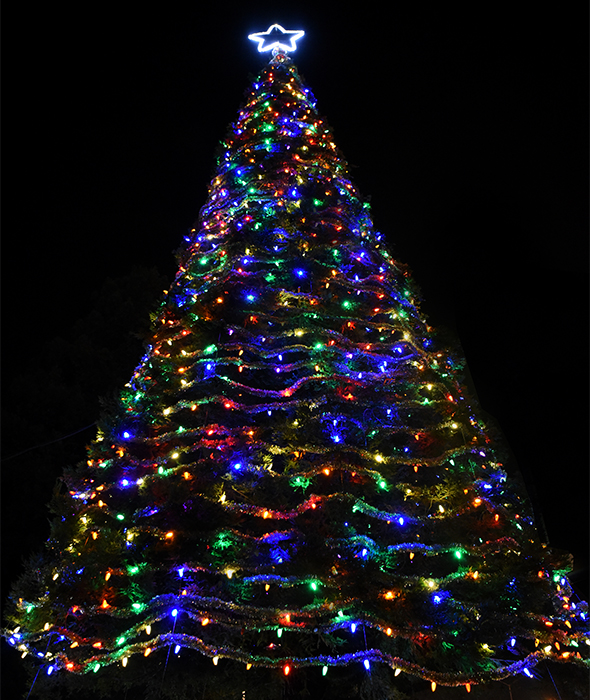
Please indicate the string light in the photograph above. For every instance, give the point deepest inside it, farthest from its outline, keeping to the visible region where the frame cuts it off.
(311, 424)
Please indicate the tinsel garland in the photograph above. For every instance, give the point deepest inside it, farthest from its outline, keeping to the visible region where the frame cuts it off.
(296, 456)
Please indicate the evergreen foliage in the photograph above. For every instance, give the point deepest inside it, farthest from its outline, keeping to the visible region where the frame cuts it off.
(295, 484)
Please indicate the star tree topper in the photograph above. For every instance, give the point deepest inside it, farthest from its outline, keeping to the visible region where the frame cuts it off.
(275, 37)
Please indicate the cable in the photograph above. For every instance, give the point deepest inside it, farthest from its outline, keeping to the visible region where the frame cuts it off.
(48, 443)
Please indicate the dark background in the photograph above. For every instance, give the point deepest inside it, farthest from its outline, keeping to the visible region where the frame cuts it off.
(466, 127)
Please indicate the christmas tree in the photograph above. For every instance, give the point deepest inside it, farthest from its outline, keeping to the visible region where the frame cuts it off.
(296, 478)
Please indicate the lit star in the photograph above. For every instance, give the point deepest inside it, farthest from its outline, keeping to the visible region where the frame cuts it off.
(276, 37)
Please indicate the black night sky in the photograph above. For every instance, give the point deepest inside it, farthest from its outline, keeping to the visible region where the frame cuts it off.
(465, 127)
